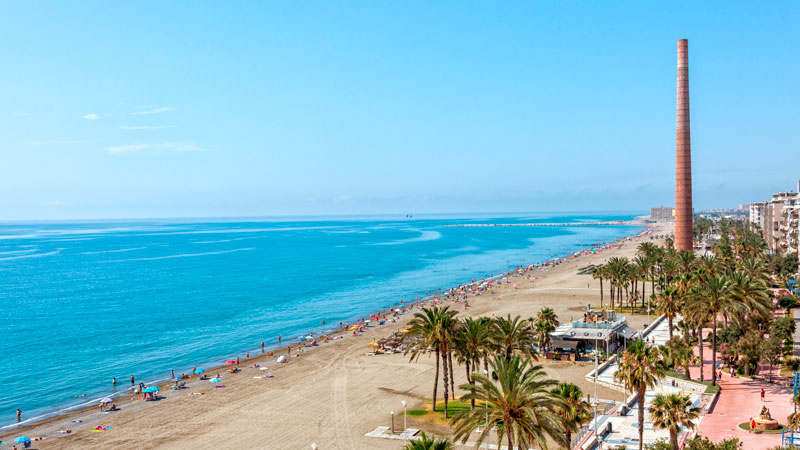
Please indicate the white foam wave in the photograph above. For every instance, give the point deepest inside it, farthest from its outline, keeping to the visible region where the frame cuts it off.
(182, 255)
(425, 235)
(34, 255)
(114, 251)
(18, 252)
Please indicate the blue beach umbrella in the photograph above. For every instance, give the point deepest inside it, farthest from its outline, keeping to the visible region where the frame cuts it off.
(176, 379)
(22, 439)
(215, 380)
(151, 389)
(198, 370)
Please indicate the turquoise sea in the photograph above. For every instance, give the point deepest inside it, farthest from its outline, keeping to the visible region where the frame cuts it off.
(83, 302)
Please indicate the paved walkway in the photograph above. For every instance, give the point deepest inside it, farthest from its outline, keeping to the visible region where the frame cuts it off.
(740, 400)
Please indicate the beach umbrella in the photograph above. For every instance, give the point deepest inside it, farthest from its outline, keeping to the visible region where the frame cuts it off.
(151, 389)
(198, 370)
(215, 380)
(264, 368)
(22, 439)
(176, 379)
(373, 344)
(106, 400)
(229, 362)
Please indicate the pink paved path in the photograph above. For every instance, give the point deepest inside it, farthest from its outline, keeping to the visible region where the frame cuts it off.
(739, 401)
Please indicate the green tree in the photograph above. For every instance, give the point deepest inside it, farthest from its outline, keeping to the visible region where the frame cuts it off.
(520, 406)
(669, 304)
(575, 412)
(640, 368)
(714, 296)
(426, 335)
(472, 343)
(671, 412)
(513, 337)
(429, 443)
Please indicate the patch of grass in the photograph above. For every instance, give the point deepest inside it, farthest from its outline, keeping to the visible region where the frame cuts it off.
(709, 388)
(452, 406)
(417, 412)
(746, 427)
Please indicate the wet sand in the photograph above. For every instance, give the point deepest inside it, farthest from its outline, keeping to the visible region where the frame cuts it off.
(330, 395)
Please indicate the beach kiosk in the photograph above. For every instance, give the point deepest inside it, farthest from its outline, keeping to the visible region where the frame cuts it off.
(603, 329)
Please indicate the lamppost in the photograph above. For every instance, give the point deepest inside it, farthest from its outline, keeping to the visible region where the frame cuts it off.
(405, 425)
(596, 374)
(392, 422)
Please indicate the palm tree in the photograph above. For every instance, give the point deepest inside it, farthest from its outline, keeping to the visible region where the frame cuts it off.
(669, 304)
(548, 316)
(793, 420)
(686, 260)
(640, 368)
(425, 335)
(673, 412)
(513, 337)
(599, 273)
(715, 297)
(472, 342)
(696, 314)
(520, 406)
(575, 412)
(429, 443)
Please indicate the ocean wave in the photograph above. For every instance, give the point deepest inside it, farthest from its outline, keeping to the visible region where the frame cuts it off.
(114, 251)
(18, 252)
(425, 235)
(181, 255)
(33, 255)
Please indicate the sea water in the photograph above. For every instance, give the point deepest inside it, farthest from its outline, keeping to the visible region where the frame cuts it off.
(81, 303)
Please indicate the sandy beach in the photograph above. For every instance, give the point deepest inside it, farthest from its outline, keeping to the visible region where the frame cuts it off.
(331, 394)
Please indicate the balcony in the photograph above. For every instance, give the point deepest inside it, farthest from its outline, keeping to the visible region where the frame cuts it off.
(604, 324)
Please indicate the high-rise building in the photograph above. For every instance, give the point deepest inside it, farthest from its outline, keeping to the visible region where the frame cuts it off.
(661, 213)
(779, 218)
(683, 155)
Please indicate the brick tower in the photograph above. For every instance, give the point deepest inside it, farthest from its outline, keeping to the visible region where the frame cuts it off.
(683, 155)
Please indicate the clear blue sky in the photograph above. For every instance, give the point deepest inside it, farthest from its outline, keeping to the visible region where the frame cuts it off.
(174, 109)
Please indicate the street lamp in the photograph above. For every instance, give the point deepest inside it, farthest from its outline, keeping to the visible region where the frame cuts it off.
(392, 422)
(405, 425)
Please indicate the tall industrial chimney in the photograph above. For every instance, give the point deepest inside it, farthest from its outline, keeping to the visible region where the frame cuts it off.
(683, 155)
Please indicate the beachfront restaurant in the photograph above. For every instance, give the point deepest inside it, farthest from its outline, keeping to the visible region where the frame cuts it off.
(602, 329)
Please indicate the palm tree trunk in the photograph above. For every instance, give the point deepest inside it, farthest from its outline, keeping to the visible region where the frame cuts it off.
(700, 339)
(673, 438)
(510, 442)
(469, 380)
(669, 318)
(640, 403)
(452, 372)
(686, 369)
(601, 292)
(444, 375)
(436, 379)
(714, 352)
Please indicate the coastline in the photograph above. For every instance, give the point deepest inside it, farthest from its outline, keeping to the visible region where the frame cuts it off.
(46, 425)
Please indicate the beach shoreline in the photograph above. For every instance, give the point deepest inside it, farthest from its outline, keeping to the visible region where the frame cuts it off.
(46, 426)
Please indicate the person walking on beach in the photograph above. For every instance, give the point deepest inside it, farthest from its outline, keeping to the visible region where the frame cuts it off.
(172, 373)
(19, 415)
(133, 380)
(762, 395)
(279, 339)
(262, 347)
(237, 361)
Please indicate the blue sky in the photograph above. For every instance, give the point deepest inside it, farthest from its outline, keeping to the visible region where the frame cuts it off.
(176, 109)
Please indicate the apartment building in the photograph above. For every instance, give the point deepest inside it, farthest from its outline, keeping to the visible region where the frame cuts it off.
(780, 219)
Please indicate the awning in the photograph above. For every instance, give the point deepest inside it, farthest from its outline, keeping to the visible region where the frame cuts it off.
(564, 344)
(626, 331)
